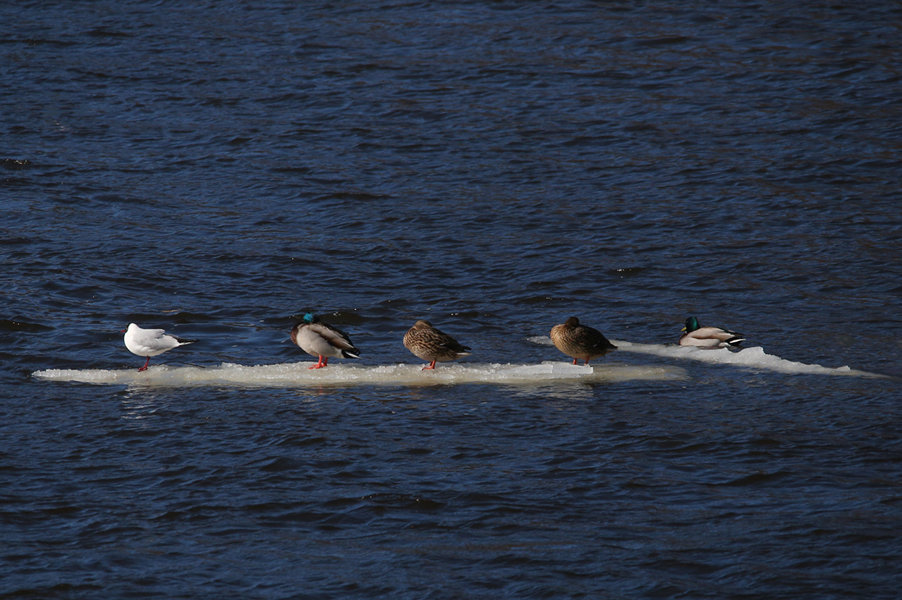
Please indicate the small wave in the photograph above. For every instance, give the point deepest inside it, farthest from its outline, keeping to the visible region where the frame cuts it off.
(13, 325)
(298, 375)
(754, 357)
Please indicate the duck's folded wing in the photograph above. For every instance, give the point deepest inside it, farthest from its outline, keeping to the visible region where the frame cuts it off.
(334, 336)
(449, 343)
(709, 333)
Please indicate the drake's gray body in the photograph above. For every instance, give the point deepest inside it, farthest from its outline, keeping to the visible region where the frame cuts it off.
(580, 341)
(428, 343)
(708, 337)
(322, 340)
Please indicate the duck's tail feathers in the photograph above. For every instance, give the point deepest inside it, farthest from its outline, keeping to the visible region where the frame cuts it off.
(735, 341)
(351, 353)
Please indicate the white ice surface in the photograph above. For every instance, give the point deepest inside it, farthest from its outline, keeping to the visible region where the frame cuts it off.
(754, 357)
(298, 375)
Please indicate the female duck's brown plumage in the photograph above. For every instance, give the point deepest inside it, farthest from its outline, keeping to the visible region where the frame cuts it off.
(580, 341)
(428, 343)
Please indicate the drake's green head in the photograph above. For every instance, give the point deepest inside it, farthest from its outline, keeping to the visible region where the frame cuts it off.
(309, 318)
(691, 325)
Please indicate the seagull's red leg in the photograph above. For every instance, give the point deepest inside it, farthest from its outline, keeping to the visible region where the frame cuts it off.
(146, 362)
(429, 366)
(575, 362)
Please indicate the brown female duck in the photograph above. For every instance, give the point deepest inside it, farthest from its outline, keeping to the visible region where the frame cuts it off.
(428, 343)
(580, 341)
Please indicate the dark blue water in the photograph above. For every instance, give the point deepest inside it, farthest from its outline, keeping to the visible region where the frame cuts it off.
(219, 168)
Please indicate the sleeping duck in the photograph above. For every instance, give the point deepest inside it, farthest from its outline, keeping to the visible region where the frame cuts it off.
(428, 343)
(580, 341)
(709, 337)
(323, 340)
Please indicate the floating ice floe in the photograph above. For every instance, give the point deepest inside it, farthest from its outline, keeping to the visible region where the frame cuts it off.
(754, 357)
(297, 374)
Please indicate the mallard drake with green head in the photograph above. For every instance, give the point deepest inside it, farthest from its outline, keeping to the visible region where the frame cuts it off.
(428, 343)
(708, 337)
(322, 340)
(580, 341)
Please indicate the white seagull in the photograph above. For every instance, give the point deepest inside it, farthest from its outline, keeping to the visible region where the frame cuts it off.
(150, 342)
